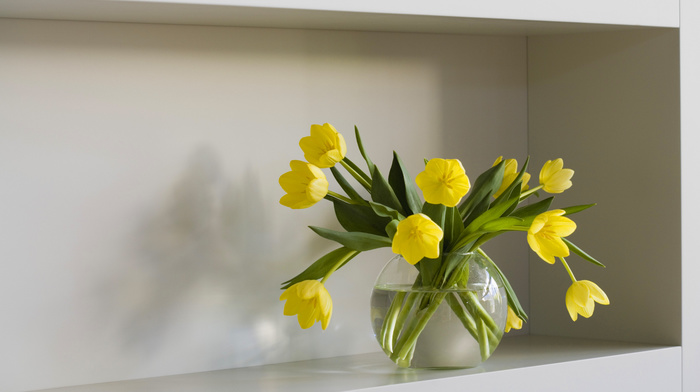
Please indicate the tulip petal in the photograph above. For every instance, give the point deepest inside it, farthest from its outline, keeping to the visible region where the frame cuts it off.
(537, 224)
(292, 307)
(317, 189)
(587, 311)
(293, 182)
(306, 317)
(305, 185)
(555, 247)
(597, 293)
(310, 301)
(580, 294)
(295, 201)
(562, 226)
(513, 321)
(443, 181)
(570, 304)
(324, 147)
(549, 168)
(416, 237)
(413, 252)
(308, 289)
(532, 241)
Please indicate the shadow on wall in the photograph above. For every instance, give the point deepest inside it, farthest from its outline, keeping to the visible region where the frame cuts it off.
(202, 286)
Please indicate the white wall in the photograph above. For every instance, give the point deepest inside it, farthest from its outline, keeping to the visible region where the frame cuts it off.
(141, 230)
(690, 166)
(608, 104)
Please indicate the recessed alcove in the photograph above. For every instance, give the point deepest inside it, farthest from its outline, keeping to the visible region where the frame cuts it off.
(145, 158)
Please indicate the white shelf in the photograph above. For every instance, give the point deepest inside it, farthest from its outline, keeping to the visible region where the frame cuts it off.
(540, 363)
(470, 17)
(554, 358)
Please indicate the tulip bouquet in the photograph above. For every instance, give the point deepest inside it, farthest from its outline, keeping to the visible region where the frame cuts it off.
(435, 236)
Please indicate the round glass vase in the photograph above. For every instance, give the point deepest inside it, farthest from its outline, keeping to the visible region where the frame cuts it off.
(446, 315)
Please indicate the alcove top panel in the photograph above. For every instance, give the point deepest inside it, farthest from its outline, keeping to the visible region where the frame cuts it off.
(439, 16)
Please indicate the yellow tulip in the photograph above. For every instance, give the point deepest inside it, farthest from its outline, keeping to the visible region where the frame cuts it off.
(513, 321)
(509, 174)
(545, 233)
(554, 178)
(325, 147)
(416, 237)
(305, 185)
(310, 301)
(443, 182)
(581, 297)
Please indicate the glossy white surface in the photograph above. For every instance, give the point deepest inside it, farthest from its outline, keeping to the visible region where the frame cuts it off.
(690, 166)
(526, 363)
(469, 16)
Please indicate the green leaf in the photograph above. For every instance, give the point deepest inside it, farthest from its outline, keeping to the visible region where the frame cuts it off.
(428, 269)
(530, 212)
(515, 195)
(355, 217)
(484, 187)
(382, 192)
(349, 190)
(512, 298)
(453, 226)
(575, 209)
(499, 224)
(322, 266)
(403, 186)
(494, 212)
(391, 228)
(581, 253)
(478, 209)
(449, 273)
(436, 212)
(370, 165)
(388, 212)
(353, 240)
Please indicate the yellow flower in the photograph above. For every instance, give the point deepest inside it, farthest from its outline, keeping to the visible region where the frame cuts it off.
(416, 237)
(581, 297)
(509, 174)
(310, 301)
(305, 185)
(443, 182)
(554, 178)
(545, 233)
(513, 321)
(325, 147)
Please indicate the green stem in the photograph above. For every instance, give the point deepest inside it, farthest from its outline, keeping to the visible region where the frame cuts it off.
(406, 345)
(528, 192)
(469, 297)
(571, 274)
(405, 311)
(357, 169)
(389, 324)
(464, 316)
(342, 198)
(337, 265)
(484, 341)
(357, 173)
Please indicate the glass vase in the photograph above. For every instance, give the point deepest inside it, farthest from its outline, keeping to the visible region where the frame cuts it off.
(446, 315)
